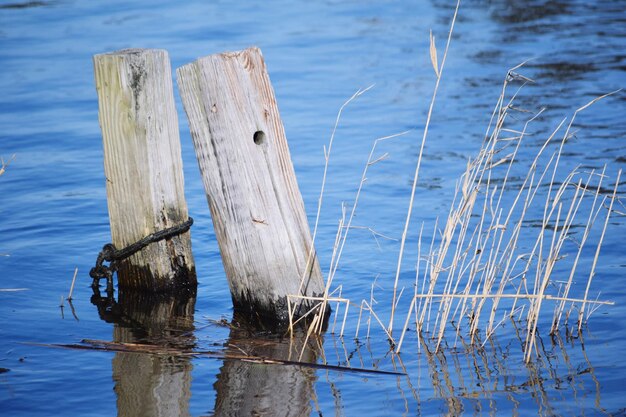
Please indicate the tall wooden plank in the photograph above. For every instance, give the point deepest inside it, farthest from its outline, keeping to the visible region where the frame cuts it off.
(251, 187)
(143, 166)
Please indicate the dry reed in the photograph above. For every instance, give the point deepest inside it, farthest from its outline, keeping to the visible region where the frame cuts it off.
(4, 164)
(480, 260)
(480, 269)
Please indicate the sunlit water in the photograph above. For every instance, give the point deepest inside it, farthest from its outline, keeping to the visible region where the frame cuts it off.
(53, 215)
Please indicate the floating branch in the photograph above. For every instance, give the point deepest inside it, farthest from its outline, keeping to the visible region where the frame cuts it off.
(102, 345)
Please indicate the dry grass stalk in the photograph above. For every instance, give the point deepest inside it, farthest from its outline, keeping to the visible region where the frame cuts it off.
(311, 254)
(477, 264)
(438, 71)
(595, 258)
(323, 186)
(477, 261)
(69, 297)
(4, 164)
(343, 229)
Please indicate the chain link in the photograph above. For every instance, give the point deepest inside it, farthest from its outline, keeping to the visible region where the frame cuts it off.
(112, 255)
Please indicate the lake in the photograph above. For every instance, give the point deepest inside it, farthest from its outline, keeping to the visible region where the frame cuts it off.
(54, 219)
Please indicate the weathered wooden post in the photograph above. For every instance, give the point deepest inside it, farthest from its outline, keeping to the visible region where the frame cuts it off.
(143, 167)
(255, 203)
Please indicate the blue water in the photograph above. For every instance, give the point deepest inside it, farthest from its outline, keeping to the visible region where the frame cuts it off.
(53, 215)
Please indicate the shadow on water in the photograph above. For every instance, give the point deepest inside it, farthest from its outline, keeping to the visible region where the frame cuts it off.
(150, 384)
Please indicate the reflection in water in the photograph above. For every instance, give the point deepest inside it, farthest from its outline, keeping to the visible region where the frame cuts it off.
(160, 384)
(487, 380)
(493, 380)
(250, 389)
(148, 384)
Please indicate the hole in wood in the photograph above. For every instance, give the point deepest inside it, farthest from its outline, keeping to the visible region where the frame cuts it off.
(259, 137)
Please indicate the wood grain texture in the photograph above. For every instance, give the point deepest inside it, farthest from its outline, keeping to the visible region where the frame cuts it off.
(143, 166)
(251, 187)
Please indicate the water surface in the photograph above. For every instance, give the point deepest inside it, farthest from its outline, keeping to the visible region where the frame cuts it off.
(53, 216)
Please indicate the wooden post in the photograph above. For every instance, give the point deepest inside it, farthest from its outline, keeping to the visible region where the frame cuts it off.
(255, 203)
(143, 167)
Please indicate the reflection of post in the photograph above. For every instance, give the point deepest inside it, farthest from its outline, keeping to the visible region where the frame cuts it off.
(147, 384)
(245, 388)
